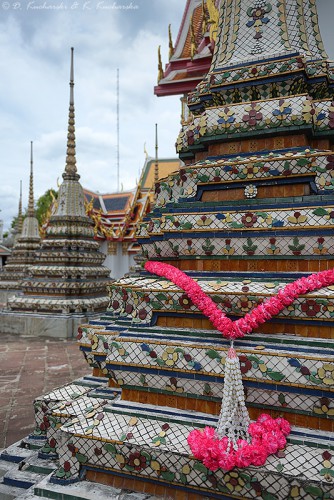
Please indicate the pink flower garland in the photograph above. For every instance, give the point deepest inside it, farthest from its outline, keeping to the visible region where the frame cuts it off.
(262, 313)
(268, 435)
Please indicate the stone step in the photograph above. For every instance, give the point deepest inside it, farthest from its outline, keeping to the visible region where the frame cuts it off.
(6, 466)
(40, 465)
(16, 453)
(9, 492)
(84, 490)
(22, 477)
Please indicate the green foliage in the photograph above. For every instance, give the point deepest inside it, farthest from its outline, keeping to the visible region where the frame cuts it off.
(44, 203)
(42, 207)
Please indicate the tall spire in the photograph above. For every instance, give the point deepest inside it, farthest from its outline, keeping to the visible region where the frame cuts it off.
(31, 209)
(19, 222)
(71, 168)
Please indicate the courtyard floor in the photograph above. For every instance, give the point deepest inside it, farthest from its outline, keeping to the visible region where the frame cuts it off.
(30, 367)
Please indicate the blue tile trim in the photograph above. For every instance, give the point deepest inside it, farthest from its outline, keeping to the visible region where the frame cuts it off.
(178, 235)
(63, 482)
(238, 343)
(11, 458)
(231, 275)
(174, 486)
(212, 378)
(272, 203)
(17, 483)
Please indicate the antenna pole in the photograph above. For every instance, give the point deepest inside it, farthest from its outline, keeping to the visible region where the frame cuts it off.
(117, 151)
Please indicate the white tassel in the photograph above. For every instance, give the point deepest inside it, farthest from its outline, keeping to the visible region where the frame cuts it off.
(233, 420)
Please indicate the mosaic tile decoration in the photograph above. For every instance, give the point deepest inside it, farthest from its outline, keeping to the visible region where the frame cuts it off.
(250, 28)
(68, 393)
(295, 111)
(234, 297)
(68, 411)
(275, 165)
(145, 445)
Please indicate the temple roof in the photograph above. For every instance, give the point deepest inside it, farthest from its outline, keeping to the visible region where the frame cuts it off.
(116, 215)
(4, 251)
(193, 49)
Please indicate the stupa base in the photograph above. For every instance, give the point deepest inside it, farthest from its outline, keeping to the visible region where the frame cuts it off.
(146, 447)
(6, 292)
(43, 325)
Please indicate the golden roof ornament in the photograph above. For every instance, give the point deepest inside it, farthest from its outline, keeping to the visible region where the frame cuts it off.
(171, 46)
(160, 68)
(204, 21)
(213, 19)
(145, 151)
(193, 45)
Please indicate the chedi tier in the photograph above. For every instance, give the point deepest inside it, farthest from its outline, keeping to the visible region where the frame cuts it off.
(250, 217)
(67, 277)
(25, 245)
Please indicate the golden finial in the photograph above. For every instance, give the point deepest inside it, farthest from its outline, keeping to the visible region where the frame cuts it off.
(171, 46)
(71, 168)
(193, 46)
(160, 69)
(213, 19)
(204, 22)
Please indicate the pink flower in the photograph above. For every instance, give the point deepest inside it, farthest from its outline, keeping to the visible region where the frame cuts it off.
(255, 429)
(228, 461)
(259, 456)
(284, 425)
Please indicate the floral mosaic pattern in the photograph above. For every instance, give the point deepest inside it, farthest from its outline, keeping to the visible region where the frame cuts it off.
(185, 184)
(293, 111)
(146, 449)
(233, 297)
(248, 73)
(311, 372)
(257, 219)
(292, 246)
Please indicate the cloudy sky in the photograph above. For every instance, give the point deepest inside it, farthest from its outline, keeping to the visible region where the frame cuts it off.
(35, 41)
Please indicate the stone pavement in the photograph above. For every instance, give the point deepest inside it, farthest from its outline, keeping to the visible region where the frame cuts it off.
(29, 367)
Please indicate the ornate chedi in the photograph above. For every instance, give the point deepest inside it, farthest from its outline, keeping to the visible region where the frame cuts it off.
(249, 219)
(26, 243)
(249, 216)
(68, 277)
